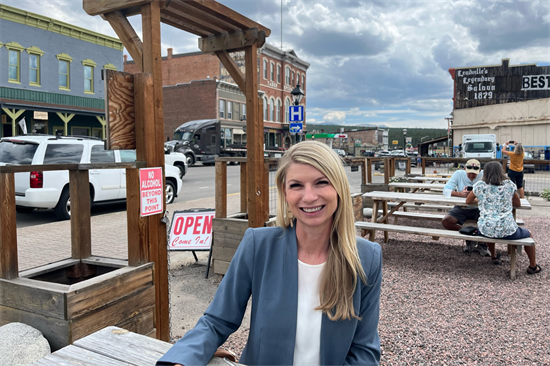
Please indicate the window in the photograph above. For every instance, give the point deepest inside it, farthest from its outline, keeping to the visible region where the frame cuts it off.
(80, 131)
(265, 68)
(100, 155)
(229, 110)
(244, 111)
(64, 71)
(297, 78)
(14, 62)
(35, 54)
(278, 110)
(127, 156)
(292, 79)
(271, 109)
(265, 109)
(14, 57)
(303, 82)
(278, 73)
(271, 71)
(63, 153)
(222, 108)
(89, 66)
(14, 153)
(287, 75)
(287, 105)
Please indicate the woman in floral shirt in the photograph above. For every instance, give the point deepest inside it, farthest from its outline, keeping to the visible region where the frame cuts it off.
(497, 196)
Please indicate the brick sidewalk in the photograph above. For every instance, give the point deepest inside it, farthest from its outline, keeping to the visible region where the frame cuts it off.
(42, 244)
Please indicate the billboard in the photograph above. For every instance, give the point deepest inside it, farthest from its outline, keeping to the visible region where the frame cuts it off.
(498, 84)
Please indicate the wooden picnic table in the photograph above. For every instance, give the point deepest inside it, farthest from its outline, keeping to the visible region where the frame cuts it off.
(416, 186)
(428, 179)
(113, 346)
(381, 198)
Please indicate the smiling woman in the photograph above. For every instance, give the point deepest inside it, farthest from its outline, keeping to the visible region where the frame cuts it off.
(316, 285)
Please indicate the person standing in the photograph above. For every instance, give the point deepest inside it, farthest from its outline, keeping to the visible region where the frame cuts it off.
(496, 198)
(515, 170)
(315, 286)
(460, 185)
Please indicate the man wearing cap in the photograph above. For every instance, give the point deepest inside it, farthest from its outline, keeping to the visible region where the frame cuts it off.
(460, 185)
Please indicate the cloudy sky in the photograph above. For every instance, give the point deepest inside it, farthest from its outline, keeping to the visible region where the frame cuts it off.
(373, 62)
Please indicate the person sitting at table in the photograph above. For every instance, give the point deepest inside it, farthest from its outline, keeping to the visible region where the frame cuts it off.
(458, 186)
(515, 170)
(315, 286)
(497, 196)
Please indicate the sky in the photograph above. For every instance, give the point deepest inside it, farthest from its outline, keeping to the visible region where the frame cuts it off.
(381, 63)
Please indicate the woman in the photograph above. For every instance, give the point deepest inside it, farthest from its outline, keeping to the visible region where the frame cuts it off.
(515, 170)
(497, 197)
(315, 287)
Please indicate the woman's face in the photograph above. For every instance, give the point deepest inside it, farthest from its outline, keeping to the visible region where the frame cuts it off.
(310, 196)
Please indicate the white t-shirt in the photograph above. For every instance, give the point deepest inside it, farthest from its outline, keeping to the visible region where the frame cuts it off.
(307, 349)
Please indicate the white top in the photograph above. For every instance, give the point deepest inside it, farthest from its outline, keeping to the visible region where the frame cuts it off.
(307, 349)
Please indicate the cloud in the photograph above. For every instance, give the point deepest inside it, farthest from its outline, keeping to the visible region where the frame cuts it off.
(334, 117)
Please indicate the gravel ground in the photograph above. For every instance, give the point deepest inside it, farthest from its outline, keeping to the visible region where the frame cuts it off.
(438, 305)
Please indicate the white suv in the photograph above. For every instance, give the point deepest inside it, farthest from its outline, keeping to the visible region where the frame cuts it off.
(50, 189)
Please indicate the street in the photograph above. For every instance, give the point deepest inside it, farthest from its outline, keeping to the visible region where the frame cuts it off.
(198, 183)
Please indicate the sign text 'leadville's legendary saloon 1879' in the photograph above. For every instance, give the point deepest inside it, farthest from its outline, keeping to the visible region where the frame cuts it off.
(151, 191)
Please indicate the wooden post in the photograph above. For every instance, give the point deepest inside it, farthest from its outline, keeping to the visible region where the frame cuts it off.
(265, 188)
(423, 166)
(221, 189)
(255, 153)
(387, 167)
(81, 231)
(369, 170)
(158, 253)
(244, 190)
(8, 230)
(363, 171)
(409, 165)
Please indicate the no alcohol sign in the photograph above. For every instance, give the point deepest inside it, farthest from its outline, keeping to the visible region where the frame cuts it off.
(150, 191)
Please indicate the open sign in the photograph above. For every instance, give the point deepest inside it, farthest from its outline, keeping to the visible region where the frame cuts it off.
(191, 230)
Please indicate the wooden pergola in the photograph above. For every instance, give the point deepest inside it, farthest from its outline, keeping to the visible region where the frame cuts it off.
(221, 30)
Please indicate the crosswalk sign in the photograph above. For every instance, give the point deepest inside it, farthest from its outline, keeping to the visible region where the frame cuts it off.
(296, 113)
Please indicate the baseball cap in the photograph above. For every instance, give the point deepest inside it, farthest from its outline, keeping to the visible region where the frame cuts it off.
(472, 166)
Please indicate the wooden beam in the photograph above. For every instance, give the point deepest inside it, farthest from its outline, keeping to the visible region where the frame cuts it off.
(158, 252)
(233, 69)
(206, 16)
(81, 231)
(220, 12)
(127, 35)
(185, 16)
(231, 41)
(177, 23)
(138, 251)
(244, 190)
(97, 7)
(221, 189)
(255, 151)
(8, 230)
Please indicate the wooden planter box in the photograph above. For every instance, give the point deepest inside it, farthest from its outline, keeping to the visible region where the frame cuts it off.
(227, 234)
(70, 299)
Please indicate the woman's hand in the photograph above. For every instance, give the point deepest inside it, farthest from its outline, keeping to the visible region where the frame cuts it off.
(471, 197)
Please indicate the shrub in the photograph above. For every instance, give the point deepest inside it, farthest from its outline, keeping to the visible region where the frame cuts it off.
(546, 194)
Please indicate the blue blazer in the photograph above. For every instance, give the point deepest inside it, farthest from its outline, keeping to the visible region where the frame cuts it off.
(266, 267)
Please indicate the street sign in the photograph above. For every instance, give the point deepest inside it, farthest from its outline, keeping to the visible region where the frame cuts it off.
(296, 127)
(394, 142)
(296, 113)
(151, 191)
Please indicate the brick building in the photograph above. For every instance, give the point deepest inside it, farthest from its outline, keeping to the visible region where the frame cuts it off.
(197, 86)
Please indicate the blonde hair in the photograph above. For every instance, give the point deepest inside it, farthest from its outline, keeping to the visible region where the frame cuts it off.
(339, 278)
(518, 150)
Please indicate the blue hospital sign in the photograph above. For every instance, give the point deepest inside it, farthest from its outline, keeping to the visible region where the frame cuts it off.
(296, 113)
(296, 127)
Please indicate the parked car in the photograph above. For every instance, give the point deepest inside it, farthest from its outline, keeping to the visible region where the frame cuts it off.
(176, 159)
(50, 189)
(340, 152)
(380, 154)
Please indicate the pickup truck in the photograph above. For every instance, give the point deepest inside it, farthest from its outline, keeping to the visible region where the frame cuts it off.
(176, 159)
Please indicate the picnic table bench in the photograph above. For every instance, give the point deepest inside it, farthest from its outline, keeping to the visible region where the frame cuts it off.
(428, 179)
(443, 233)
(113, 346)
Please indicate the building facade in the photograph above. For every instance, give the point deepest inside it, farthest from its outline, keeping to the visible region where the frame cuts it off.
(278, 73)
(510, 101)
(50, 75)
